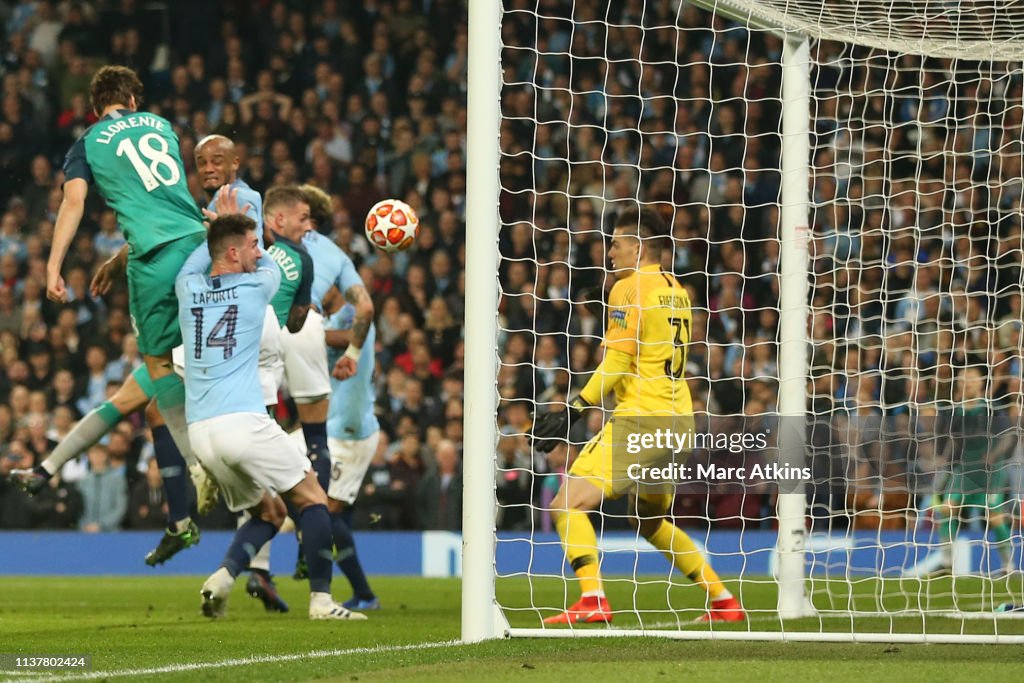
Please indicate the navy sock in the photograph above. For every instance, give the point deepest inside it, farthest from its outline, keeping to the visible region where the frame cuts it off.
(174, 473)
(315, 525)
(316, 436)
(347, 559)
(321, 461)
(249, 538)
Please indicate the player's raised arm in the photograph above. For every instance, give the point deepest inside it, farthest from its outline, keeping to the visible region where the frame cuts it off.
(69, 216)
(356, 295)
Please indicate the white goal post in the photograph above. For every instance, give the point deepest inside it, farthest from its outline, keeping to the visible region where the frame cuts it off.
(810, 603)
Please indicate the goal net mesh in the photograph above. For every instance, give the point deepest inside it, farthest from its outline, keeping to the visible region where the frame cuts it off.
(914, 332)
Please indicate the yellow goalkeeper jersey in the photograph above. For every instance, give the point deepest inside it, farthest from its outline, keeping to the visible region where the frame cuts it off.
(649, 319)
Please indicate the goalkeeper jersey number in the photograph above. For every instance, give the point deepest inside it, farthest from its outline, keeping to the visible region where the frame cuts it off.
(134, 161)
(649, 318)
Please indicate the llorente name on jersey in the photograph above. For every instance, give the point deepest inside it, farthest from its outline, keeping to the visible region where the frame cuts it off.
(217, 296)
(115, 127)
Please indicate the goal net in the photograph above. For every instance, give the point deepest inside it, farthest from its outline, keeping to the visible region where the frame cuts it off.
(842, 182)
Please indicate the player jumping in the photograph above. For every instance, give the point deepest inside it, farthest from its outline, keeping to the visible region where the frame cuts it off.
(133, 160)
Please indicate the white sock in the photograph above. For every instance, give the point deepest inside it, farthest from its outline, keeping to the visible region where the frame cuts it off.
(594, 594)
(320, 597)
(261, 560)
(724, 595)
(174, 418)
(222, 575)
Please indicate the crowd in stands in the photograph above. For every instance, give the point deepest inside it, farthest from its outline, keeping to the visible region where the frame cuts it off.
(915, 236)
(364, 100)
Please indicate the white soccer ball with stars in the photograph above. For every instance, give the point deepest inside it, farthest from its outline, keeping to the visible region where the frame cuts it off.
(392, 225)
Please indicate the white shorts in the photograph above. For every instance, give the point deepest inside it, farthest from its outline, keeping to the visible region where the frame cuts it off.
(305, 360)
(248, 454)
(271, 363)
(349, 462)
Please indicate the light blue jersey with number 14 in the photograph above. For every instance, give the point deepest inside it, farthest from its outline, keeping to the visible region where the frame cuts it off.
(221, 321)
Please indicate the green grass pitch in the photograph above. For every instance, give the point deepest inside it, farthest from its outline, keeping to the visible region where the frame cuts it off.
(150, 629)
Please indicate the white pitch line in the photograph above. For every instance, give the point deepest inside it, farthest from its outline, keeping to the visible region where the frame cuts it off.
(226, 663)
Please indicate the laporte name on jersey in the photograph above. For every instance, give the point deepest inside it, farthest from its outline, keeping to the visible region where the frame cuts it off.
(216, 296)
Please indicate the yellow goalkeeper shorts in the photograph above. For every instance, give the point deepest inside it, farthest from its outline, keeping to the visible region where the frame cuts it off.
(604, 463)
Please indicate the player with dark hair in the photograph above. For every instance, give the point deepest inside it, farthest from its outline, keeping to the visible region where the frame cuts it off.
(133, 160)
(223, 292)
(649, 322)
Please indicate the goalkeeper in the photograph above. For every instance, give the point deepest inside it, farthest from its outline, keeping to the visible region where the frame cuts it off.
(649, 323)
(974, 481)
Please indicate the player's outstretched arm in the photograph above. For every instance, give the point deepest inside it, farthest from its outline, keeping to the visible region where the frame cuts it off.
(69, 216)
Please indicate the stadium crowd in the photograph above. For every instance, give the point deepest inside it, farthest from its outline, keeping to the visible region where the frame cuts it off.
(915, 237)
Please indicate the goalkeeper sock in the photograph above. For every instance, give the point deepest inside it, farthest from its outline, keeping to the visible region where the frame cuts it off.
(249, 538)
(84, 436)
(680, 549)
(175, 476)
(580, 542)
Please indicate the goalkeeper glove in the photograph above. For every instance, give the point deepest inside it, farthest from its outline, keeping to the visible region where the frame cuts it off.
(550, 429)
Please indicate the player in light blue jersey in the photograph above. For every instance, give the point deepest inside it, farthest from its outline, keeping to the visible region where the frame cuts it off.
(223, 292)
(217, 163)
(353, 435)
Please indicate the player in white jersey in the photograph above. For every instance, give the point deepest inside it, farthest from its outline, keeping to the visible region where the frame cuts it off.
(306, 357)
(223, 292)
(305, 353)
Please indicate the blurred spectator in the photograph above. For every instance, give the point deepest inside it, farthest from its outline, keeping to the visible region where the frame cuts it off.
(406, 472)
(439, 493)
(58, 506)
(147, 506)
(381, 495)
(104, 493)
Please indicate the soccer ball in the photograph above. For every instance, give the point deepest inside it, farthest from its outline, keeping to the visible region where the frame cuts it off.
(392, 225)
